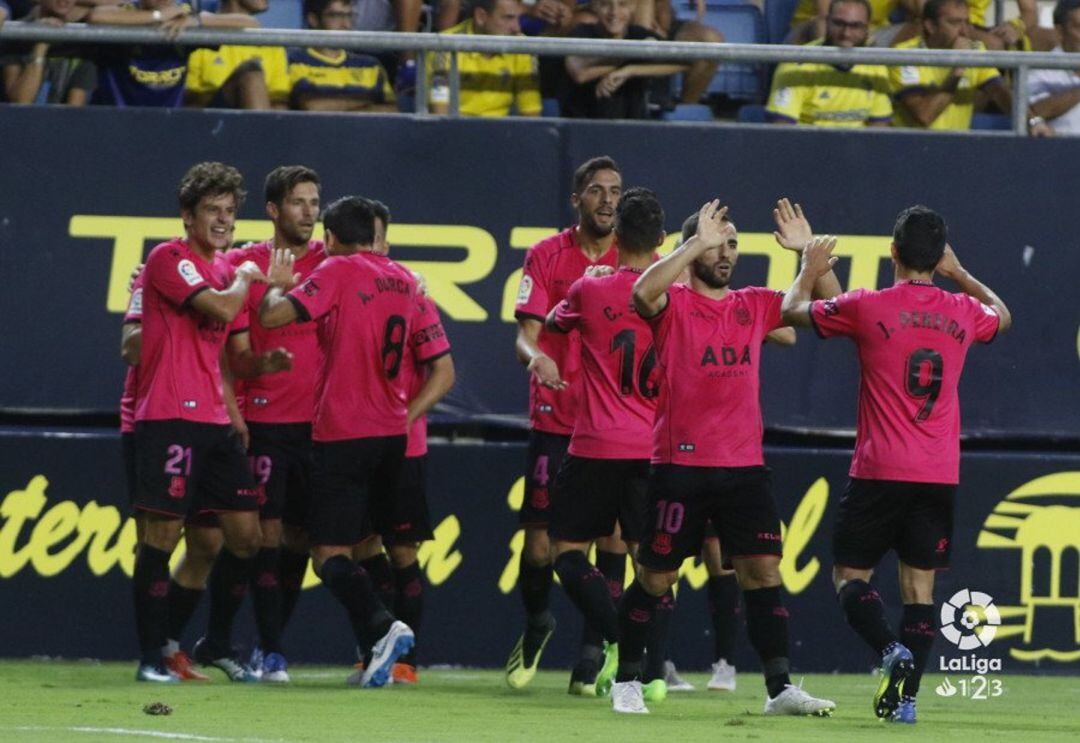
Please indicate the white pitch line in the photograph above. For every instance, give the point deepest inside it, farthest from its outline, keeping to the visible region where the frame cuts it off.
(133, 732)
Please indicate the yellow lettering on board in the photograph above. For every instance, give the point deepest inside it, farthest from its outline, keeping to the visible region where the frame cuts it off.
(19, 507)
(438, 557)
(796, 536)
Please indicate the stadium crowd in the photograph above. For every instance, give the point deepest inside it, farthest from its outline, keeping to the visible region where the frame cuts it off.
(329, 79)
(265, 78)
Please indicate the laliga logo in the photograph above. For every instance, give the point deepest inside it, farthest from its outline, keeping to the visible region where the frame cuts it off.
(969, 619)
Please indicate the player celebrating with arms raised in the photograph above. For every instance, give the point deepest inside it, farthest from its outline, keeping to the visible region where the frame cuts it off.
(912, 340)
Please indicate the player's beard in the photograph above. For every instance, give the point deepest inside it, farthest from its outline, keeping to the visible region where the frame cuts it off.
(595, 229)
(709, 276)
(297, 235)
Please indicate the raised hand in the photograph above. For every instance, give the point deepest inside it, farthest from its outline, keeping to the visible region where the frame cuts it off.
(817, 257)
(949, 265)
(281, 272)
(792, 228)
(251, 272)
(712, 230)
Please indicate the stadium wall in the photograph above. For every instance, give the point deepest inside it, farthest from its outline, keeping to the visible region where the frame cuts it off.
(66, 554)
(87, 193)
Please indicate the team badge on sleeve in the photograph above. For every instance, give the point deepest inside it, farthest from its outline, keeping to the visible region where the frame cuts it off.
(783, 97)
(135, 305)
(188, 272)
(525, 289)
(909, 75)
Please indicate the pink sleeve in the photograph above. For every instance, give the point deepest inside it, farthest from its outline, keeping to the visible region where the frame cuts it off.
(836, 316)
(987, 320)
(768, 305)
(242, 322)
(428, 338)
(134, 308)
(568, 311)
(532, 298)
(173, 276)
(315, 296)
(661, 321)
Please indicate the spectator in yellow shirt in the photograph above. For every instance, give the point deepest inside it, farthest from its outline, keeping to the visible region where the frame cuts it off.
(491, 84)
(944, 97)
(834, 95)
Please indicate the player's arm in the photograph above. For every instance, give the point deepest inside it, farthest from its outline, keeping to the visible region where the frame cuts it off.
(231, 406)
(784, 336)
(131, 343)
(650, 291)
(817, 260)
(245, 363)
(527, 347)
(225, 305)
(950, 268)
(276, 308)
(440, 378)
(793, 233)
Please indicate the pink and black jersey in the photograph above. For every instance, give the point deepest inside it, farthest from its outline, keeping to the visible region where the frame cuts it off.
(364, 305)
(551, 266)
(709, 354)
(180, 371)
(131, 378)
(912, 339)
(427, 342)
(285, 397)
(617, 402)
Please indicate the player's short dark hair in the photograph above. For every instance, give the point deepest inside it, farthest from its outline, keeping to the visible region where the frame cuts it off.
(209, 179)
(585, 172)
(1062, 10)
(351, 219)
(382, 212)
(864, 3)
(689, 225)
(283, 179)
(932, 9)
(639, 221)
(919, 235)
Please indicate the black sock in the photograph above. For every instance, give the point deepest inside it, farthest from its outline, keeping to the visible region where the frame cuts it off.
(292, 566)
(266, 597)
(150, 584)
(587, 588)
(866, 614)
(409, 601)
(351, 586)
(182, 604)
(917, 634)
(535, 584)
(636, 612)
(656, 646)
(724, 612)
(767, 625)
(228, 585)
(613, 566)
(382, 577)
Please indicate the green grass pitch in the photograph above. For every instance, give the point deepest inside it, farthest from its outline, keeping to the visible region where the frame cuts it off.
(61, 701)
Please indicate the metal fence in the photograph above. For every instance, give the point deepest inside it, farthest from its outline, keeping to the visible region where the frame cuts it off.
(675, 51)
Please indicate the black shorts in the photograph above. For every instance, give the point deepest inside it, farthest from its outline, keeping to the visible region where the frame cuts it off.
(546, 453)
(591, 494)
(913, 518)
(281, 463)
(682, 500)
(184, 468)
(351, 480)
(408, 520)
(127, 450)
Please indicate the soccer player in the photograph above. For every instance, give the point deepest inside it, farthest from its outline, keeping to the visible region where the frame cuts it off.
(551, 266)
(912, 339)
(278, 412)
(189, 458)
(365, 307)
(707, 457)
(603, 476)
(408, 521)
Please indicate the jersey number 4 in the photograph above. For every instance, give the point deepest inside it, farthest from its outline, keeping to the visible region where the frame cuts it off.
(625, 342)
(923, 379)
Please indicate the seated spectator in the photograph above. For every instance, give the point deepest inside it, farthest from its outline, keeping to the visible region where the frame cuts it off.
(1022, 33)
(1055, 94)
(658, 16)
(335, 79)
(834, 95)
(808, 22)
(37, 72)
(491, 84)
(406, 16)
(944, 97)
(239, 76)
(151, 74)
(606, 88)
